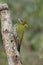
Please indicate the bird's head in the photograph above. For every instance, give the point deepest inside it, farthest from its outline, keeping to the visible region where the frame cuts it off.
(24, 23)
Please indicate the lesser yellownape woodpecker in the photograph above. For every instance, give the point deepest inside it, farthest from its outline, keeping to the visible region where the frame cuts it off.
(18, 31)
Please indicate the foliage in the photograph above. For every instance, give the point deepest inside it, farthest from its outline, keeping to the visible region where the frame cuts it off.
(32, 12)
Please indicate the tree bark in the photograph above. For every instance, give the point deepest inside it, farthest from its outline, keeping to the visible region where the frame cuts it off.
(7, 37)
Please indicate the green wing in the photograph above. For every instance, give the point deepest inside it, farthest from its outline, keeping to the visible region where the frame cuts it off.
(19, 31)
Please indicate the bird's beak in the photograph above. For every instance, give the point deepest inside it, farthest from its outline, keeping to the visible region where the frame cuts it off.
(26, 25)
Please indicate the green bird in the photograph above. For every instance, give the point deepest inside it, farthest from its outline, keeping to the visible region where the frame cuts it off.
(18, 31)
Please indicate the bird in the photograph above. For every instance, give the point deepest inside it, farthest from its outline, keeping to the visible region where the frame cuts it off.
(18, 31)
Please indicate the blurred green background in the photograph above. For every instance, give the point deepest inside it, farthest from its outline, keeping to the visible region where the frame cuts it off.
(32, 44)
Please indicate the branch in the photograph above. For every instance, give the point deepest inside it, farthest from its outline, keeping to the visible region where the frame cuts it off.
(3, 7)
(8, 38)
